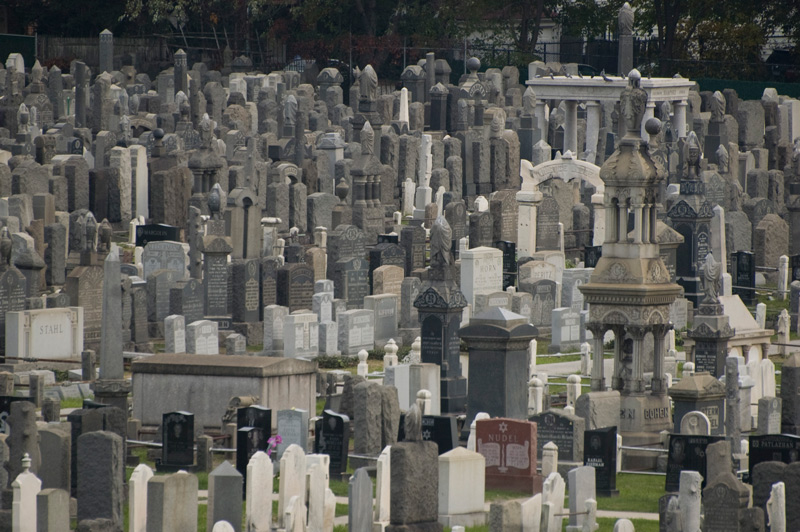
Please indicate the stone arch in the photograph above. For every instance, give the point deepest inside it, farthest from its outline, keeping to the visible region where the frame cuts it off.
(565, 167)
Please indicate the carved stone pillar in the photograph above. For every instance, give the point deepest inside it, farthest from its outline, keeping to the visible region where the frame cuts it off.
(598, 369)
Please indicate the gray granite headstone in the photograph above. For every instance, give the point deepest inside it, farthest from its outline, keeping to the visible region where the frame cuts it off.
(225, 496)
(100, 476)
(359, 515)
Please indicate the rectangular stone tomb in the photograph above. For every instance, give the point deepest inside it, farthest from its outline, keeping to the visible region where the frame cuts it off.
(203, 384)
(55, 333)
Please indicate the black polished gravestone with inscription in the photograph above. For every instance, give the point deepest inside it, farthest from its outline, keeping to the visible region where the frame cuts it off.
(566, 431)
(249, 440)
(743, 264)
(774, 448)
(686, 453)
(255, 416)
(156, 232)
(442, 430)
(177, 432)
(600, 452)
(509, 250)
(332, 437)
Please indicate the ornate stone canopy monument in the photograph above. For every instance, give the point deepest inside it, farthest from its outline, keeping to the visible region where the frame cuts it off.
(440, 305)
(630, 291)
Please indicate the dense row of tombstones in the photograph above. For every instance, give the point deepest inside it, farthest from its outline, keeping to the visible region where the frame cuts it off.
(255, 222)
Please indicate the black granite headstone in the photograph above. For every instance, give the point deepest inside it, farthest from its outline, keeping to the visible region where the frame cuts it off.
(178, 439)
(744, 276)
(509, 250)
(249, 440)
(332, 437)
(156, 232)
(774, 448)
(687, 453)
(591, 255)
(557, 429)
(255, 416)
(600, 452)
(441, 430)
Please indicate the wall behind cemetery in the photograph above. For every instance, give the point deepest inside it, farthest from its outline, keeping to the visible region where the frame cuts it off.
(148, 50)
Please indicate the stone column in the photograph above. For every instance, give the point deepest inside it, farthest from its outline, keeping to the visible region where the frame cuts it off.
(732, 415)
(619, 336)
(637, 223)
(611, 223)
(541, 118)
(180, 72)
(598, 368)
(430, 73)
(571, 126)
(81, 93)
(528, 203)
(622, 223)
(112, 388)
(106, 51)
(600, 219)
(637, 373)
(764, 350)
(646, 224)
(592, 130)
(659, 384)
(679, 118)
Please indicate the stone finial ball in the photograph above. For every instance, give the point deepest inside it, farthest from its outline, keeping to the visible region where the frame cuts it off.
(652, 126)
(473, 64)
(158, 134)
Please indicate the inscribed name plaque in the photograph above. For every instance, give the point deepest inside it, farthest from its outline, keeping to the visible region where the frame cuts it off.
(55, 333)
(686, 453)
(509, 447)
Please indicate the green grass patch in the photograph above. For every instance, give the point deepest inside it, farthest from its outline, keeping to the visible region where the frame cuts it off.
(637, 493)
(341, 509)
(72, 402)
